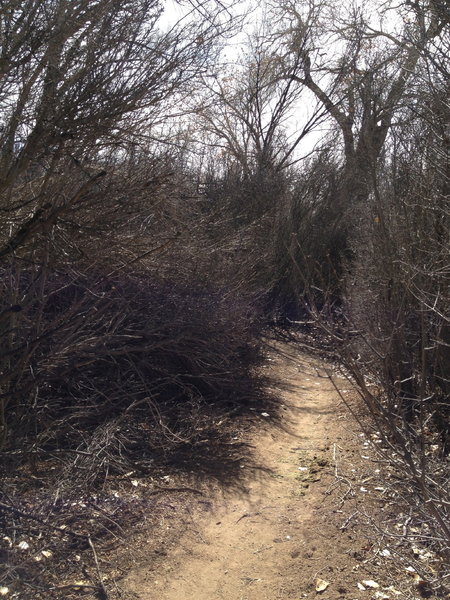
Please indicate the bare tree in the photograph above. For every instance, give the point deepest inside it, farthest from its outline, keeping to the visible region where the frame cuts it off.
(358, 70)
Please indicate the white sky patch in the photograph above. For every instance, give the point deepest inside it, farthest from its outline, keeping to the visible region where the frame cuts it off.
(332, 24)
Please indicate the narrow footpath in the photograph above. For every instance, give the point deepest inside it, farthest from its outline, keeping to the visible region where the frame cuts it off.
(288, 534)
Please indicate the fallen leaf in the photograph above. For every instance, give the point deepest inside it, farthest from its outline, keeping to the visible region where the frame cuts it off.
(421, 553)
(47, 553)
(393, 590)
(321, 585)
(370, 583)
(24, 545)
(381, 596)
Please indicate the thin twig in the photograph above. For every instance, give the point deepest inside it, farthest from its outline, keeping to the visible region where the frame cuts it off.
(25, 515)
(103, 594)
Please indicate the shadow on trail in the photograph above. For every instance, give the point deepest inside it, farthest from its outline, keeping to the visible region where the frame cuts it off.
(162, 483)
(223, 456)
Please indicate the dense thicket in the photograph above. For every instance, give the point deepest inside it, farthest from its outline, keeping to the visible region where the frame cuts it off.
(159, 208)
(84, 238)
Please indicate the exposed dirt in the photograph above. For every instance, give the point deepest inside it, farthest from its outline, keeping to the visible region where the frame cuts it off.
(289, 525)
(285, 504)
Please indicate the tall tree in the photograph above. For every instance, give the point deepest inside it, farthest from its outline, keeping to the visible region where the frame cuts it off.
(359, 69)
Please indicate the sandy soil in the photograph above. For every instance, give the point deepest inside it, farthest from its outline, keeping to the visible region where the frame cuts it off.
(287, 528)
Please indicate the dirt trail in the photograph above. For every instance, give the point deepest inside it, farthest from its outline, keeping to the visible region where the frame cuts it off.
(275, 539)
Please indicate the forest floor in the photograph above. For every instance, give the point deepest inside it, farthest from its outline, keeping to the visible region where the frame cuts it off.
(297, 523)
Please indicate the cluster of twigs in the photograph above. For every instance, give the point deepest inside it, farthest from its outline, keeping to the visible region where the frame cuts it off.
(54, 547)
(111, 349)
(124, 372)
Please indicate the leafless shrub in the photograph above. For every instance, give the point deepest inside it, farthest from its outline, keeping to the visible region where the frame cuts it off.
(111, 346)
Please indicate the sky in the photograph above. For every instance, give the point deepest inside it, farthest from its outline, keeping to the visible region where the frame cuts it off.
(377, 12)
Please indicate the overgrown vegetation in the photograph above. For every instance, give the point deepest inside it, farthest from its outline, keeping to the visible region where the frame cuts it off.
(160, 210)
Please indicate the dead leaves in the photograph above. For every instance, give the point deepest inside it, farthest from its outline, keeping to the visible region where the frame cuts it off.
(321, 585)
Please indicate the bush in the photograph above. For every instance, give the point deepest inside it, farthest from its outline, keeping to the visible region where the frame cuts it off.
(141, 354)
